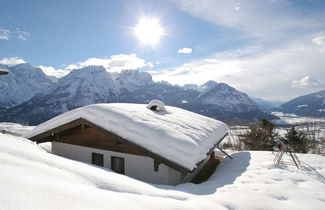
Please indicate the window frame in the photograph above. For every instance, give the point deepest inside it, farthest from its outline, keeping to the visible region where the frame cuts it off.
(97, 159)
(113, 166)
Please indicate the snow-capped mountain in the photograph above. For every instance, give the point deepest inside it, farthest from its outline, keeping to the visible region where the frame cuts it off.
(221, 94)
(131, 79)
(79, 88)
(22, 83)
(94, 84)
(307, 105)
(89, 85)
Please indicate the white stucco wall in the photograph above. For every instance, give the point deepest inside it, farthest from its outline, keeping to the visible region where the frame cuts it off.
(138, 167)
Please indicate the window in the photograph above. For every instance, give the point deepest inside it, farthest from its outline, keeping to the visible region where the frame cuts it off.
(97, 159)
(117, 164)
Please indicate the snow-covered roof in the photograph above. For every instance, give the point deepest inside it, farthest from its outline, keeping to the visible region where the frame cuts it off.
(178, 135)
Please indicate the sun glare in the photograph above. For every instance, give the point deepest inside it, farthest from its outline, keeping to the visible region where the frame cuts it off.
(149, 31)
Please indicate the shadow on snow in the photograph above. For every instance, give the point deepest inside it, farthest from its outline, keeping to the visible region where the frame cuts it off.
(226, 174)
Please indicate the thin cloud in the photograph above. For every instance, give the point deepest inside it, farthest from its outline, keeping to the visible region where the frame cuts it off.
(51, 71)
(12, 61)
(150, 64)
(185, 50)
(265, 19)
(261, 72)
(320, 41)
(22, 35)
(307, 81)
(4, 34)
(289, 44)
(114, 63)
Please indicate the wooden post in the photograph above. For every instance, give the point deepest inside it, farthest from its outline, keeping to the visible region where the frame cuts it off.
(156, 164)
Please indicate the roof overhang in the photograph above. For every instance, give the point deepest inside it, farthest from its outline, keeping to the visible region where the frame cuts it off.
(209, 153)
(45, 137)
(3, 72)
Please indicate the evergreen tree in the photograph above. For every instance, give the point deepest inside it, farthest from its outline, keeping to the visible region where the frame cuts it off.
(261, 136)
(297, 140)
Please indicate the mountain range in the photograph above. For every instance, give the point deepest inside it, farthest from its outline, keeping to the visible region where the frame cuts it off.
(29, 96)
(23, 82)
(308, 105)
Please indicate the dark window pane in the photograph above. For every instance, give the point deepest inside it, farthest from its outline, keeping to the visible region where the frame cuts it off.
(97, 159)
(117, 164)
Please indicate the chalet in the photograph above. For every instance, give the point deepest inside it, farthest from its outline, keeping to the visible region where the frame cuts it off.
(153, 143)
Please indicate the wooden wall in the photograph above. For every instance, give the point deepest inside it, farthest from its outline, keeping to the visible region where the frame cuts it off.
(84, 133)
(91, 137)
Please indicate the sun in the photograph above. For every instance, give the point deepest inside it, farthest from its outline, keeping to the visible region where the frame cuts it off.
(149, 31)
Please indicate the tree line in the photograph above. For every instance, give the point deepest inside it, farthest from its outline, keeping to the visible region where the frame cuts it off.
(263, 136)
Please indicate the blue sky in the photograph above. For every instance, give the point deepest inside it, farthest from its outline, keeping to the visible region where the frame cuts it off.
(63, 32)
(274, 49)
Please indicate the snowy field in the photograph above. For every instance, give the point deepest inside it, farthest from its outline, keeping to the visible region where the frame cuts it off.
(15, 128)
(32, 178)
(292, 119)
(302, 123)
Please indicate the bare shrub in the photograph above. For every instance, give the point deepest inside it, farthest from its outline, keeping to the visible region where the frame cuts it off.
(313, 132)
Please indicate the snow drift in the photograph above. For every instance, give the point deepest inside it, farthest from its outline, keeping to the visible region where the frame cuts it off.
(34, 179)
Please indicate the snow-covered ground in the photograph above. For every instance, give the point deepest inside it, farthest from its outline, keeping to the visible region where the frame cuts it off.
(313, 126)
(32, 178)
(292, 119)
(15, 128)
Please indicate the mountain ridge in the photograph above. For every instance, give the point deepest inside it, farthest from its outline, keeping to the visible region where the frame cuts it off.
(312, 105)
(22, 83)
(93, 84)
